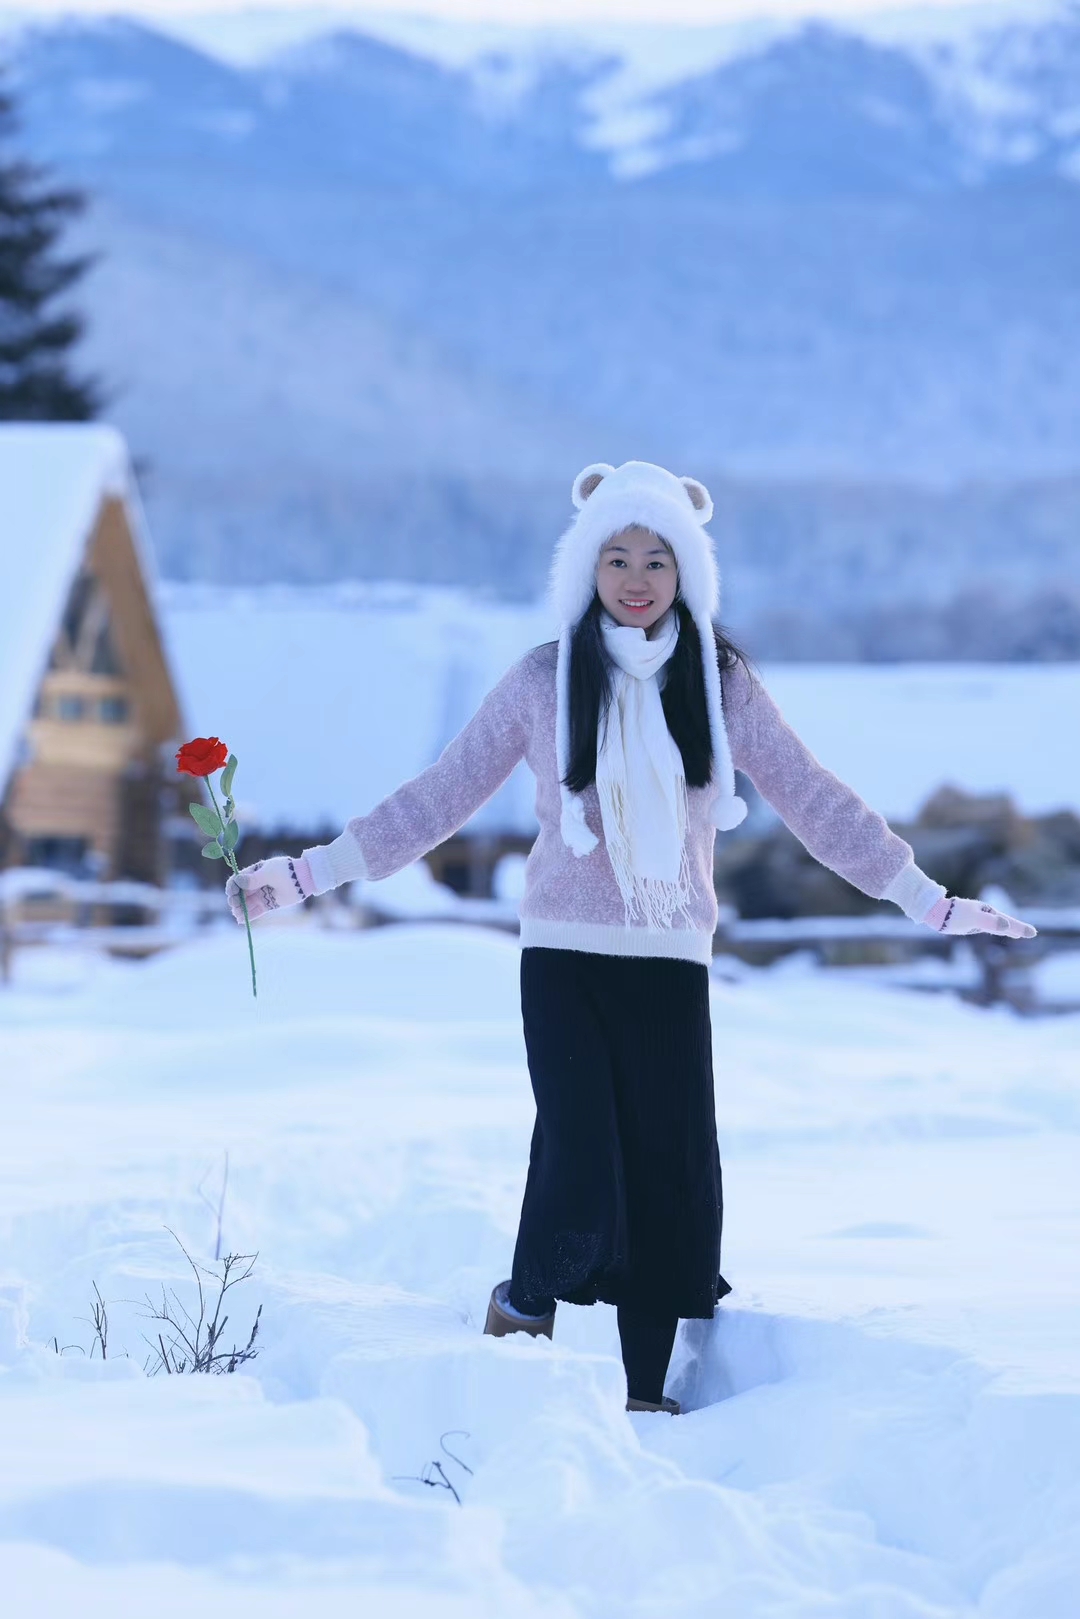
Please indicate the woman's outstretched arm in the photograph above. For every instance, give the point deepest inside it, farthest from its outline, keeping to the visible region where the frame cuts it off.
(832, 821)
(828, 817)
(415, 817)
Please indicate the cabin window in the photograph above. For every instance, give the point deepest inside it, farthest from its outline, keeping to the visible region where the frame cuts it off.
(113, 710)
(78, 602)
(70, 708)
(85, 640)
(58, 854)
(104, 660)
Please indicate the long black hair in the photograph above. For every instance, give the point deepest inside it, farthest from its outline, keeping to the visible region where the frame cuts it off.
(682, 695)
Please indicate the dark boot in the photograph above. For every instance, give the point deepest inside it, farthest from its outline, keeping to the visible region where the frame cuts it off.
(500, 1322)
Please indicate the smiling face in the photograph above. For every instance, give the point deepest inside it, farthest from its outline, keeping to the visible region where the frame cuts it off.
(637, 577)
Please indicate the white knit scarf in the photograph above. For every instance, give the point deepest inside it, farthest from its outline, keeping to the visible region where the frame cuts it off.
(639, 777)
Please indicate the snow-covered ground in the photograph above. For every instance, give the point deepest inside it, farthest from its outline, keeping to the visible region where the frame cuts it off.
(882, 1421)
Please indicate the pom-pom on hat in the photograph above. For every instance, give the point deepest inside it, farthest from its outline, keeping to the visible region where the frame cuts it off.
(608, 500)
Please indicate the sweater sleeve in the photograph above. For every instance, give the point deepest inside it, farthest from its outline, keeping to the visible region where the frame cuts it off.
(433, 805)
(828, 817)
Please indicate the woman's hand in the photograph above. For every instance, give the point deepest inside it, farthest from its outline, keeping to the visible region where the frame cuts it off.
(269, 885)
(952, 915)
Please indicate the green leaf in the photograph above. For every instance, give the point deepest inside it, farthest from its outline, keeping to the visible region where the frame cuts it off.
(213, 851)
(232, 833)
(229, 808)
(227, 775)
(207, 820)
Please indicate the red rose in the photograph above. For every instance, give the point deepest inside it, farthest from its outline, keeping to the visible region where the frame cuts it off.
(202, 756)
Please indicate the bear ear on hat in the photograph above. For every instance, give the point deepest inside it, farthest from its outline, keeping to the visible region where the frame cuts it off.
(700, 498)
(588, 481)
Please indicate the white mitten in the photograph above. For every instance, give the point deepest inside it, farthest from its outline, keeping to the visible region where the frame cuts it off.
(952, 915)
(269, 885)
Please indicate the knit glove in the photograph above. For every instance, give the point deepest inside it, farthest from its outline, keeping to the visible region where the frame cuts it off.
(952, 915)
(269, 885)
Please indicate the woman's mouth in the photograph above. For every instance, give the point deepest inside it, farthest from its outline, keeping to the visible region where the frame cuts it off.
(635, 606)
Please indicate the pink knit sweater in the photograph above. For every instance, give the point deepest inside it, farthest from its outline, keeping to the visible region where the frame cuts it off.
(573, 902)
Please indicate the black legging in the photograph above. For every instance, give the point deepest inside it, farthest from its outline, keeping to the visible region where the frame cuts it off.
(647, 1337)
(647, 1340)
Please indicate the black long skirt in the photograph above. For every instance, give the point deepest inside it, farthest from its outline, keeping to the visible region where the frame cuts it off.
(623, 1200)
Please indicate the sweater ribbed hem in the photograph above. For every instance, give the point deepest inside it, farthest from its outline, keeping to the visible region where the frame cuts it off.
(334, 863)
(610, 939)
(914, 892)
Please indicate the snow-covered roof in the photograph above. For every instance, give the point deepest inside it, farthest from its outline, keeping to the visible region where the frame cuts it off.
(332, 696)
(53, 478)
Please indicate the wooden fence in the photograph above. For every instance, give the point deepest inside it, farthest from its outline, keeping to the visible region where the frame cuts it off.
(44, 907)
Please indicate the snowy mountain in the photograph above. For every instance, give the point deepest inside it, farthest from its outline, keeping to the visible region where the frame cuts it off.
(428, 289)
(1013, 92)
(820, 113)
(345, 104)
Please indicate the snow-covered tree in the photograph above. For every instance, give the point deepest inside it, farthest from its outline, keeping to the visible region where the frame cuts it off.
(36, 336)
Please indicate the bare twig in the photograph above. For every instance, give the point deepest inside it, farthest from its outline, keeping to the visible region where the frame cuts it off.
(99, 1320)
(442, 1482)
(194, 1343)
(218, 1209)
(248, 1351)
(442, 1445)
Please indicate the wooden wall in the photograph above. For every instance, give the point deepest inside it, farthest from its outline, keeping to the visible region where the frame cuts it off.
(105, 722)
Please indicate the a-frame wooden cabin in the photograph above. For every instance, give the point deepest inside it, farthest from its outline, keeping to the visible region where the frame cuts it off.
(89, 715)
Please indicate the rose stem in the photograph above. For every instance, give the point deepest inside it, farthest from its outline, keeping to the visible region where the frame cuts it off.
(231, 858)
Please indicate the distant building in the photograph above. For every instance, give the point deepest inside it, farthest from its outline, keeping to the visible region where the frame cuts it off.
(89, 714)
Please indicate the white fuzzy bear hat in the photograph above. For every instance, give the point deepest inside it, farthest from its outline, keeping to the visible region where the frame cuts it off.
(609, 499)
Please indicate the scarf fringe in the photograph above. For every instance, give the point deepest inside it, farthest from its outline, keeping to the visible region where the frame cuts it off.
(650, 900)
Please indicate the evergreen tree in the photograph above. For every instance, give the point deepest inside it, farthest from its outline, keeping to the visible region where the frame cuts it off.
(36, 383)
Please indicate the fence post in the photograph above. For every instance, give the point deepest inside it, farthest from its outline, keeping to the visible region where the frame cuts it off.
(7, 941)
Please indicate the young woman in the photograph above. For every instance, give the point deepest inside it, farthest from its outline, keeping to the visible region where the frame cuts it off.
(633, 724)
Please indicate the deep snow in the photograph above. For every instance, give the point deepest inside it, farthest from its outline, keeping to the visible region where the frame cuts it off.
(882, 1422)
